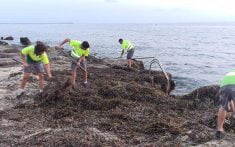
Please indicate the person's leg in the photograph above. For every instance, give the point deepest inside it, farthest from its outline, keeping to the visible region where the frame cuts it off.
(41, 81)
(84, 66)
(27, 71)
(85, 77)
(73, 77)
(225, 98)
(221, 119)
(74, 73)
(39, 70)
(129, 57)
(24, 80)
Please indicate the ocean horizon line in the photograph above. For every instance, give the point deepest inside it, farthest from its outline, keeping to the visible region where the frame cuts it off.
(40, 23)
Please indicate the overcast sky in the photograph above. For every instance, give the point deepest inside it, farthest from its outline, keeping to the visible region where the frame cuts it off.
(117, 11)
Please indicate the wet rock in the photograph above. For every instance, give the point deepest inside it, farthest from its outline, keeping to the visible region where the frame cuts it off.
(7, 38)
(7, 62)
(8, 55)
(61, 58)
(204, 93)
(11, 50)
(25, 41)
(3, 43)
(123, 63)
(93, 59)
(158, 78)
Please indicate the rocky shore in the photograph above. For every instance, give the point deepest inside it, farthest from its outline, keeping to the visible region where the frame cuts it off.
(118, 107)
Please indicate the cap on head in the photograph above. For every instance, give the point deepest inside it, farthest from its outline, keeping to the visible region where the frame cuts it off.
(85, 45)
(40, 48)
(120, 41)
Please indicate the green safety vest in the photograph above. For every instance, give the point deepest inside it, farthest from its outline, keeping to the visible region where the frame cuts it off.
(229, 79)
(77, 51)
(127, 45)
(32, 57)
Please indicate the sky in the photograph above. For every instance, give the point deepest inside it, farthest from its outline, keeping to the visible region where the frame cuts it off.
(117, 11)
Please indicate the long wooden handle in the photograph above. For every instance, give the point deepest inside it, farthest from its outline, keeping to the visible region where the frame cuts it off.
(17, 60)
(74, 61)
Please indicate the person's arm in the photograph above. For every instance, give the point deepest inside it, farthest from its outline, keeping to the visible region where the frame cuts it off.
(82, 58)
(122, 53)
(25, 64)
(65, 41)
(48, 70)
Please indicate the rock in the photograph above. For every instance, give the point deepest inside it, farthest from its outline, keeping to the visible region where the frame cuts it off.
(100, 66)
(3, 43)
(62, 58)
(50, 49)
(204, 93)
(25, 41)
(8, 55)
(7, 62)
(11, 50)
(123, 63)
(184, 138)
(93, 59)
(158, 77)
(7, 38)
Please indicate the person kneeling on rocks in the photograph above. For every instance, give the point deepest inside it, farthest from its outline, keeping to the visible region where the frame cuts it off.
(33, 58)
(227, 99)
(128, 47)
(79, 53)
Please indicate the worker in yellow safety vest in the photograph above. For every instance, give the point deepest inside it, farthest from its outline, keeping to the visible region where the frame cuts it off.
(128, 47)
(79, 53)
(33, 58)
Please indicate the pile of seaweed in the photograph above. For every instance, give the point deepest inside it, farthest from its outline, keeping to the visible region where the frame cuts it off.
(118, 107)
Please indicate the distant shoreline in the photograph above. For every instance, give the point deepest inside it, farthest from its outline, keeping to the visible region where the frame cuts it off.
(41, 23)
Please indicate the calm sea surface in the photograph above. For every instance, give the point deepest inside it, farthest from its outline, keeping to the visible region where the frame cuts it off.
(195, 54)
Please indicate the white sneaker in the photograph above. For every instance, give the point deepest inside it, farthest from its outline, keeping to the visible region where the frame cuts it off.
(85, 82)
(40, 91)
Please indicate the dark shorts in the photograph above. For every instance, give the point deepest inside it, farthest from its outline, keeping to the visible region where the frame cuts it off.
(227, 94)
(74, 65)
(130, 53)
(34, 68)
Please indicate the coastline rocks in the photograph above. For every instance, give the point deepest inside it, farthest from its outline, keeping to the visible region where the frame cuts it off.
(204, 93)
(25, 41)
(93, 59)
(11, 50)
(120, 63)
(7, 38)
(7, 62)
(3, 43)
(158, 78)
(8, 55)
